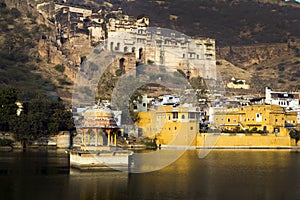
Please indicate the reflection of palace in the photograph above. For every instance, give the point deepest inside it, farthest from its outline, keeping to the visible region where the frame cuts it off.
(99, 142)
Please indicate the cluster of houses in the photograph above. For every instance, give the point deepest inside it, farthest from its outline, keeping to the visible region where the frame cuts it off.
(133, 42)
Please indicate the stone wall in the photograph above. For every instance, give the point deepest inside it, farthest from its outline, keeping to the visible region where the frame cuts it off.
(54, 56)
(243, 141)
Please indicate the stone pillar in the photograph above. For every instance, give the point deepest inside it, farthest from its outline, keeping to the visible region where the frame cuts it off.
(115, 139)
(83, 137)
(101, 137)
(96, 137)
(108, 137)
(89, 139)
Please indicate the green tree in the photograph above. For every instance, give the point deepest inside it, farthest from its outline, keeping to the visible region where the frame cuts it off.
(8, 107)
(42, 117)
(295, 134)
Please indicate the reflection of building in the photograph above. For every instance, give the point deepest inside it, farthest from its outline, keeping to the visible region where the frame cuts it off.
(170, 125)
(99, 141)
(265, 118)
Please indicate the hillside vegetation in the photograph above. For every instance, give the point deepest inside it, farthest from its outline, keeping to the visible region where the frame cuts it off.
(18, 59)
(229, 22)
(232, 23)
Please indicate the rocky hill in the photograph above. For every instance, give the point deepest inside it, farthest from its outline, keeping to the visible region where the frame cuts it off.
(230, 22)
(261, 37)
(258, 41)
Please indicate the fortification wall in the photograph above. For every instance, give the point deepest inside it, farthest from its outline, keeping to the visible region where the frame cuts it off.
(244, 141)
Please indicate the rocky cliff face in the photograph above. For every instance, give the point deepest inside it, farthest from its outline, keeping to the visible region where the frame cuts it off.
(251, 57)
(244, 56)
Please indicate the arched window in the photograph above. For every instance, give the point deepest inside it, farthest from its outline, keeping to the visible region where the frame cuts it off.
(140, 53)
(121, 64)
(111, 46)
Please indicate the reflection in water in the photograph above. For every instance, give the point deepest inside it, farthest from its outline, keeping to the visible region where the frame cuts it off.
(221, 175)
(97, 185)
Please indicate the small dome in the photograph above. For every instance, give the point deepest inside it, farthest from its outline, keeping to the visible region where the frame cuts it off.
(98, 113)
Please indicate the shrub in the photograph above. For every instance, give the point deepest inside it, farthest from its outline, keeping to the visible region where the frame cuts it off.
(295, 134)
(6, 142)
(96, 51)
(280, 67)
(60, 68)
(253, 130)
(64, 81)
(119, 72)
(15, 13)
(259, 68)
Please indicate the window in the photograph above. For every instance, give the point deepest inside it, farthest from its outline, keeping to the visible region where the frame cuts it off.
(191, 128)
(192, 115)
(175, 115)
(228, 120)
(182, 116)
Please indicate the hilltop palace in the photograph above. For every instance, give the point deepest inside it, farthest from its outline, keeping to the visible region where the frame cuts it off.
(77, 26)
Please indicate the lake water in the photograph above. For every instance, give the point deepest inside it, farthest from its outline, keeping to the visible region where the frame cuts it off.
(223, 174)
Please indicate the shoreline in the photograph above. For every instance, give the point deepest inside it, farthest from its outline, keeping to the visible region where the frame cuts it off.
(6, 148)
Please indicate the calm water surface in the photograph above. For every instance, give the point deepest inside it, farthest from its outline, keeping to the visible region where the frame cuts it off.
(230, 174)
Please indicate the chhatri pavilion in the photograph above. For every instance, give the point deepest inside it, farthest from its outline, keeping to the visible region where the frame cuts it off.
(99, 142)
(99, 129)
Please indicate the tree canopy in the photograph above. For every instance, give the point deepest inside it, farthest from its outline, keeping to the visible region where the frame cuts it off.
(40, 116)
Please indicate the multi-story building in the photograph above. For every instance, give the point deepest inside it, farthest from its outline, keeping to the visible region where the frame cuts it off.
(171, 125)
(266, 118)
(288, 100)
(171, 49)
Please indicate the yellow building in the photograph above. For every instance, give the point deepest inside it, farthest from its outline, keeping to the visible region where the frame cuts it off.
(265, 118)
(170, 125)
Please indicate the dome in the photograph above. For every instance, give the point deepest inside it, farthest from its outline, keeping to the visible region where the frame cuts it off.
(98, 113)
(99, 117)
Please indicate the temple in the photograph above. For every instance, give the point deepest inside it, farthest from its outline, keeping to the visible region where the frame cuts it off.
(99, 129)
(98, 149)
